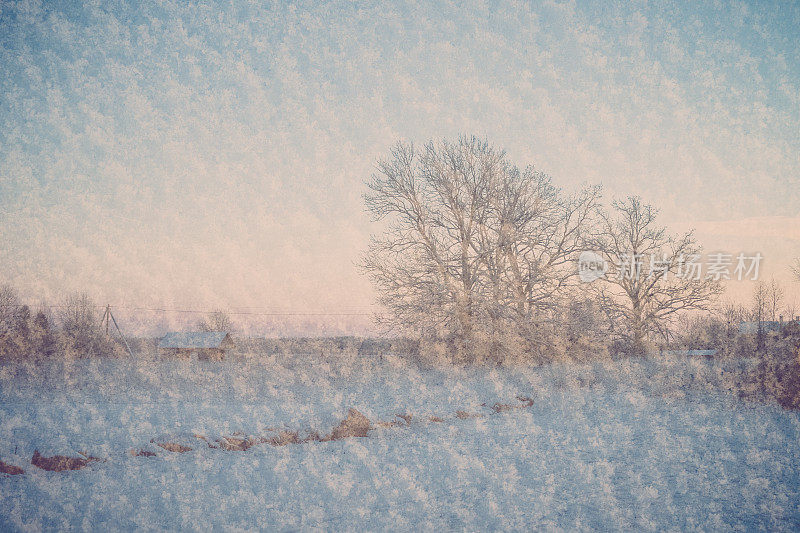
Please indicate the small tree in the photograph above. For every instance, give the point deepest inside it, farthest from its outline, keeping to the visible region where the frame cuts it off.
(647, 285)
(774, 299)
(42, 335)
(81, 335)
(9, 303)
(77, 314)
(216, 321)
(9, 320)
(759, 311)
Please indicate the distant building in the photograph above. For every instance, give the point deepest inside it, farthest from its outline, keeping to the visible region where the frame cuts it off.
(751, 328)
(690, 353)
(209, 345)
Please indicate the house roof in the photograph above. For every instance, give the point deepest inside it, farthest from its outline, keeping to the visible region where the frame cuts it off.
(766, 325)
(690, 353)
(197, 339)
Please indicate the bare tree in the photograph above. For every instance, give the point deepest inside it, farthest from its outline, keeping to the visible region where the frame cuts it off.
(80, 327)
(774, 299)
(9, 304)
(760, 302)
(732, 314)
(425, 266)
(529, 244)
(791, 310)
(21, 333)
(77, 313)
(795, 268)
(216, 321)
(10, 311)
(648, 283)
(759, 310)
(473, 246)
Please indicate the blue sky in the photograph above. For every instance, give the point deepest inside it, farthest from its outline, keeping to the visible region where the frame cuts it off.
(162, 153)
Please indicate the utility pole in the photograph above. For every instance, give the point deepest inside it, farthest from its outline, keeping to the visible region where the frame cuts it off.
(105, 318)
(108, 315)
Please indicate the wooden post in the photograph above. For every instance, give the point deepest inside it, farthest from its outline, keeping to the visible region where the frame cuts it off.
(105, 319)
(110, 314)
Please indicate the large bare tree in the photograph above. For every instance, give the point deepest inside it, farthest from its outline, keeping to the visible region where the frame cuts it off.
(473, 247)
(425, 266)
(652, 275)
(529, 244)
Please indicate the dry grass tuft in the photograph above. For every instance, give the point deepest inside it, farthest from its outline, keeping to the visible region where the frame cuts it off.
(284, 438)
(463, 415)
(204, 439)
(11, 470)
(527, 401)
(174, 447)
(355, 425)
(236, 444)
(142, 453)
(312, 436)
(502, 407)
(58, 463)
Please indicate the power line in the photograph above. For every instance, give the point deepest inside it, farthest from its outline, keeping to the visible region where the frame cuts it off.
(253, 313)
(204, 312)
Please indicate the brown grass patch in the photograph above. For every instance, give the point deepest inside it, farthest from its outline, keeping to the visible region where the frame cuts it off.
(406, 418)
(204, 439)
(58, 463)
(463, 415)
(355, 425)
(142, 453)
(312, 436)
(174, 447)
(11, 470)
(284, 438)
(502, 407)
(236, 444)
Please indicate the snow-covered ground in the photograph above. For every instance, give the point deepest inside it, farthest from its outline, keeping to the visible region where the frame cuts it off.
(646, 445)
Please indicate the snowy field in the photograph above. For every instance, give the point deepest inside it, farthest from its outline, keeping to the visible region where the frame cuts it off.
(647, 445)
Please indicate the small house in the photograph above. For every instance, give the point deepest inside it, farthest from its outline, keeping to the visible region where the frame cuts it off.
(208, 345)
(690, 353)
(765, 326)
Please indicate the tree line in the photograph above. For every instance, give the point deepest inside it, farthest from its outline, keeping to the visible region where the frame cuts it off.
(479, 259)
(70, 329)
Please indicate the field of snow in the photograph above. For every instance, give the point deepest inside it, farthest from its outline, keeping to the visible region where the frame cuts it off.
(645, 445)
